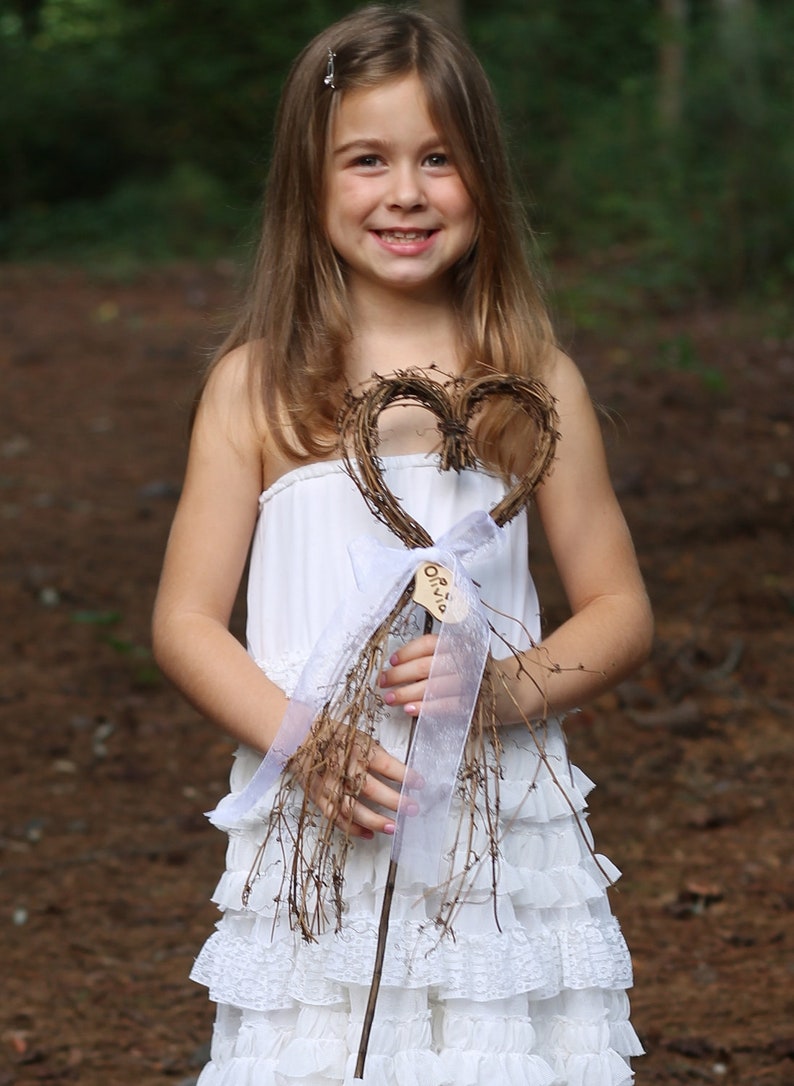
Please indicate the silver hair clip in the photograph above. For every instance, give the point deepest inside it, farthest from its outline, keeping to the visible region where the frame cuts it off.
(329, 71)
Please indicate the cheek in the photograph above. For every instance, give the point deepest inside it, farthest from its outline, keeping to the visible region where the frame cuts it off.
(335, 214)
(462, 205)
(469, 217)
(347, 197)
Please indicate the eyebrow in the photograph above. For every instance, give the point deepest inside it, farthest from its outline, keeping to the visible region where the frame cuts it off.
(374, 143)
(363, 143)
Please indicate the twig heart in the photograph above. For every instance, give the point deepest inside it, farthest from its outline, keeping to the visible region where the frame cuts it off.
(455, 404)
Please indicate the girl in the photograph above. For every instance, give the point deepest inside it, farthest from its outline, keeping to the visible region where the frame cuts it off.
(389, 242)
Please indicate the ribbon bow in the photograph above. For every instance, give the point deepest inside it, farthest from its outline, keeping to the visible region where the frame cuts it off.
(382, 573)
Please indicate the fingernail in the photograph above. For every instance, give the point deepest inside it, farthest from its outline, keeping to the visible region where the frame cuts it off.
(411, 710)
(394, 659)
(412, 809)
(367, 835)
(382, 679)
(390, 698)
(389, 828)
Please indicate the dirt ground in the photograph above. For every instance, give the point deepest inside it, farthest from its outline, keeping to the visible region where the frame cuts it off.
(107, 862)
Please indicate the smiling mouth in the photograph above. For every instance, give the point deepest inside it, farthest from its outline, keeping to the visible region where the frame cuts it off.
(404, 235)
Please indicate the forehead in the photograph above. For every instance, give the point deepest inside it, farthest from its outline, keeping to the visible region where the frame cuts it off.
(396, 110)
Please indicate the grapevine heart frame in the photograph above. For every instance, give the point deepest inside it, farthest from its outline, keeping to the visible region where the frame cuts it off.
(344, 729)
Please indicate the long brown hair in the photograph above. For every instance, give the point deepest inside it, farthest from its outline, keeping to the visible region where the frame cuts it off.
(295, 317)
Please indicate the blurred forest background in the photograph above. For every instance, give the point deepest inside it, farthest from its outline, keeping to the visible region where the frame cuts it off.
(654, 143)
(653, 138)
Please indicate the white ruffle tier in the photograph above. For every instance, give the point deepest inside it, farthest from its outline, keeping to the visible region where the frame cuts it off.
(414, 1045)
(530, 991)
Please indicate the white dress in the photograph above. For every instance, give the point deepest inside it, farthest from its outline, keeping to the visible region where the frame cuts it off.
(530, 993)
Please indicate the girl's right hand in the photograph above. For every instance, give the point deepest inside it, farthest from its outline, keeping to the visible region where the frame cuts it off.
(348, 795)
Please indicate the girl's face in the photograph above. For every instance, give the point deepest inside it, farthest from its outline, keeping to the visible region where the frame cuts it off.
(396, 209)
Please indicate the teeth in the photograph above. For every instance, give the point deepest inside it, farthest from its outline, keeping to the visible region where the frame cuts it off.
(404, 235)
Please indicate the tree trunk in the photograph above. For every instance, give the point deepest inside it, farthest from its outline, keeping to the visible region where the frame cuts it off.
(29, 12)
(672, 59)
(736, 31)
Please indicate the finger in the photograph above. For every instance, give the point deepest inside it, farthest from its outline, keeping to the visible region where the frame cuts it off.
(386, 765)
(412, 650)
(383, 795)
(349, 816)
(418, 669)
(356, 819)
(408, 694)
(336, 793)
(380, 793)
(353, 816)
(368, 822)
(442, 692)
(412, 671)
(358, 824)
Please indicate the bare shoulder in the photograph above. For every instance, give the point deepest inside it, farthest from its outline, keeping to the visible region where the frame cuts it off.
(228, 407)
(564, 379)
(579, 476)
(228, 385)
(217, 509)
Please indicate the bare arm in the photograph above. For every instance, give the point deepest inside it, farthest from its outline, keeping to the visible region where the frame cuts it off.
(204, 562)
(609, 632)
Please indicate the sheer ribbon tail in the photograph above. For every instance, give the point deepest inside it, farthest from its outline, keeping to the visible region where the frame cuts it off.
(440, 737)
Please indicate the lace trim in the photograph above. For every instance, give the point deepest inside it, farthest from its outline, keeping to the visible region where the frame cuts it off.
(285, 671)
(244, 972)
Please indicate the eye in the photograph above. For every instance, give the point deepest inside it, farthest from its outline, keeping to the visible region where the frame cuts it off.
(438, 160)
(367, 162)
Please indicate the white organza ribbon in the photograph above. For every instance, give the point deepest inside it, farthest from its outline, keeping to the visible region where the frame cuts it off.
(381, 574)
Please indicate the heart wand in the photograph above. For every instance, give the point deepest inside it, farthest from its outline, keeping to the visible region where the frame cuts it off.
(359, 438)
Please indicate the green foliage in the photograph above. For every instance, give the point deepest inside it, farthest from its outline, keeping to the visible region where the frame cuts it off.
(96, 618)
(145, 127)
(703, 208)
(186, 211)
(680, 353)
(140, 126)
(137, 658)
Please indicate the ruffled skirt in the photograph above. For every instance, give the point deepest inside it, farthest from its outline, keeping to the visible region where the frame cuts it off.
(527, 990)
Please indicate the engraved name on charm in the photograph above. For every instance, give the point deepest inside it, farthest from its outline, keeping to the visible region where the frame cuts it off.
(434, 589)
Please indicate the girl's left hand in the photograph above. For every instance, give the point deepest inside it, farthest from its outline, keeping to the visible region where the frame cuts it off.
(405, 679)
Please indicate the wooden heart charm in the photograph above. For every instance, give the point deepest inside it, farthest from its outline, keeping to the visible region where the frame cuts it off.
(455, 403)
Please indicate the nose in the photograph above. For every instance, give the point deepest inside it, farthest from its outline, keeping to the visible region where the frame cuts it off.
(407, 191)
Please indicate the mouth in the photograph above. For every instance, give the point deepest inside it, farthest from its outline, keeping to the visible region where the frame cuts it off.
(397, 236)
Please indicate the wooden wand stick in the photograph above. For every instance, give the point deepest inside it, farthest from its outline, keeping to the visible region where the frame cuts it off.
(383, 927)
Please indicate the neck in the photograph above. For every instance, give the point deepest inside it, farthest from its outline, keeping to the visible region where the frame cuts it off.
(394, 330)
